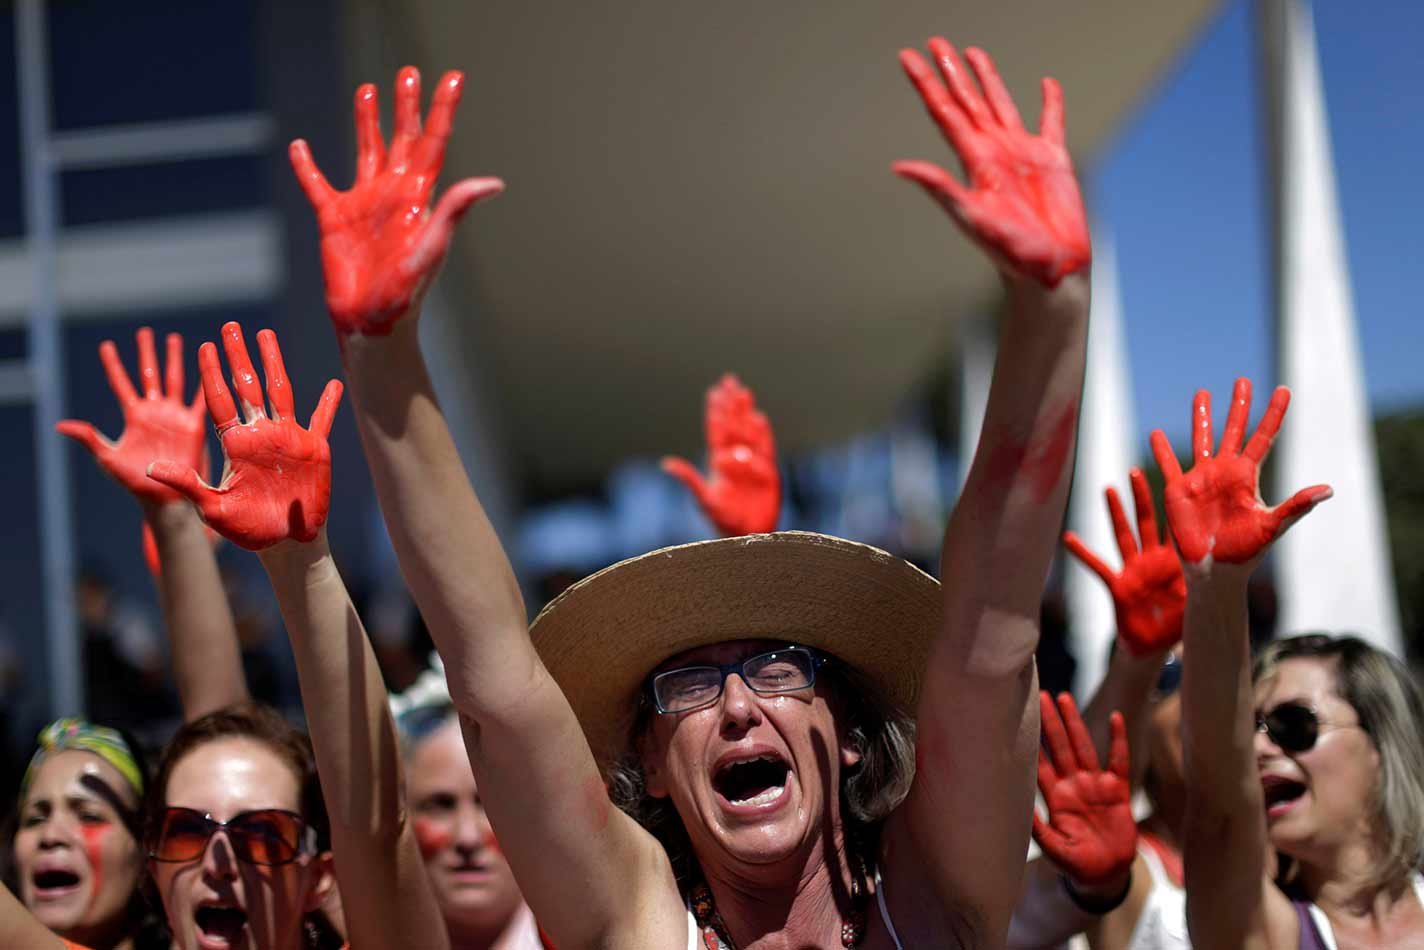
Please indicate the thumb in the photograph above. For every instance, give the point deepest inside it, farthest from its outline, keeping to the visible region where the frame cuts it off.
(687, 473)
(85, 434)
(1298, 506)
(186, 482)
(1051, 840)
(460, 197)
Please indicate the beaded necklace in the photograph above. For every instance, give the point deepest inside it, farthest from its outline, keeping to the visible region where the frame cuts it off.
(715, 935)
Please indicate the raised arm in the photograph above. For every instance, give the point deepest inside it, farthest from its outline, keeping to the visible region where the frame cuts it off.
(274, 500)
(1223, 530)
(160, 426)
(979, 713)
(1149, 595)
(20, 928)
(577, 858)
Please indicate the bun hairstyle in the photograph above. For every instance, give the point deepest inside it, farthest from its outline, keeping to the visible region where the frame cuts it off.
(1388, 701)
(265, 725)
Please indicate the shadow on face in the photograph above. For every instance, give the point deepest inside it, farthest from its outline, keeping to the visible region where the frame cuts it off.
(218, 898)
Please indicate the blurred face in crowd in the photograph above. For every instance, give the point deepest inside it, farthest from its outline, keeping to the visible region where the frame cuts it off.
(472, 882)
(755, 777)
(217, 900)
(78, 859)
(1319, 798)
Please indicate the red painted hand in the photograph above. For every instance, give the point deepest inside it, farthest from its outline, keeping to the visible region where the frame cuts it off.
(1149, 592)
(1023, 205)
(380, 245)
(277, 481)
(1215, 511)
(158, 426)
(744, 494)
(1090, 833)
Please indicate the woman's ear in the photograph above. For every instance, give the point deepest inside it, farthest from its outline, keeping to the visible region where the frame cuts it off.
(322, 870)
(850, 752)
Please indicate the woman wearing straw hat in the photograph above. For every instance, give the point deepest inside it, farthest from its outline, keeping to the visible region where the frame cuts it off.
(757, 682)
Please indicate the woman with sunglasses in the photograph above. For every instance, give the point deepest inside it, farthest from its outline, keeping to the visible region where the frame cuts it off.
(759, 689)
(274, 500)
(1140, 905)
(1316, 757)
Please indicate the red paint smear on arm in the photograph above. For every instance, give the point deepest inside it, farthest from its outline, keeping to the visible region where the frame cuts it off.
(1041, 461)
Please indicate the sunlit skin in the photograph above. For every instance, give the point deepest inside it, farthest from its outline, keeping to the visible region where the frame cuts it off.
(1339, 772)
(69, 823)
(224, 778)
(472, 882)
(682, 750)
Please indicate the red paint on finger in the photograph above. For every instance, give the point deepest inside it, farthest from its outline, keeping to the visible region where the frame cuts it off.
(742, 495)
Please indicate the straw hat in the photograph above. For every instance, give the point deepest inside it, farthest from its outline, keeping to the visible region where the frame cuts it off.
(602, 637)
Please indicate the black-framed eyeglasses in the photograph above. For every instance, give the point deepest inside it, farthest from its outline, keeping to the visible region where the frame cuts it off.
(778, 671)
(1295, 727)
(1169, 678)
(270, 836)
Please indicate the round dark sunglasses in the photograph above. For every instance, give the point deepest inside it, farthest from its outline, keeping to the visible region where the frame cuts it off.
(270, 836)
(1295, 727)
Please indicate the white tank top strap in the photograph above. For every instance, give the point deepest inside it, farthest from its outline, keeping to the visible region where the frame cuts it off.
(885, 911)
(1327, 932)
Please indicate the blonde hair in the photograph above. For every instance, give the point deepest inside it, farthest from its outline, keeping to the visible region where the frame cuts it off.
(1388, 701)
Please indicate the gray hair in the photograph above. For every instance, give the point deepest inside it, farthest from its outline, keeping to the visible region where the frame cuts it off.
(882, 733)
(1391, 709)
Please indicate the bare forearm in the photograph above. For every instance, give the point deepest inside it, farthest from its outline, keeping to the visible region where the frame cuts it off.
(1004, 531)
(342, 691)
(202, 636)
(448, 551)
(1126, 687)
(1217, 704)
(19, 928)
(1224, 837)
(354, 738)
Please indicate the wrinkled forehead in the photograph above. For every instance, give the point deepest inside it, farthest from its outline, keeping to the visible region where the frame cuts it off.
(720, 654)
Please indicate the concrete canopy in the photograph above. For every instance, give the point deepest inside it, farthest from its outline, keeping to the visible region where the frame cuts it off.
(701, 187)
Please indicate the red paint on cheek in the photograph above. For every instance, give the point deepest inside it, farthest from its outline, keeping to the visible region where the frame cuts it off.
(94, 837)
(492, 843)
(432, 837)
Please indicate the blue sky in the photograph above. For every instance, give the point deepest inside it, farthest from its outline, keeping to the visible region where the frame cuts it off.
(1183, 189)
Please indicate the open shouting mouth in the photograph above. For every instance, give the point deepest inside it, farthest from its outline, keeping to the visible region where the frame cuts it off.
(753, 784)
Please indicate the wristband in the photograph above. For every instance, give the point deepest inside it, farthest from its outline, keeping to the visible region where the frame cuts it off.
(1095, 905)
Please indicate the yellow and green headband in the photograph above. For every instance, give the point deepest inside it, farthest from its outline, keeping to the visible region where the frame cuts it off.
(71, 733)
